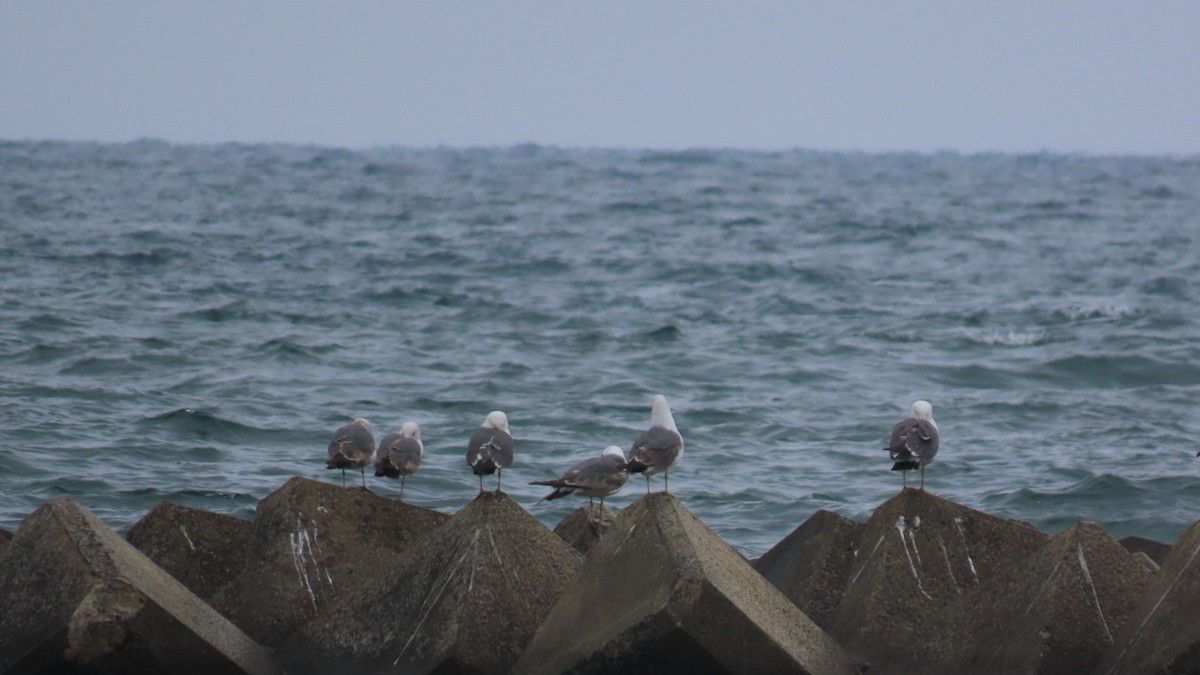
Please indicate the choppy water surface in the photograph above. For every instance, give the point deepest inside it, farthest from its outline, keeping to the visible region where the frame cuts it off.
(192, 322)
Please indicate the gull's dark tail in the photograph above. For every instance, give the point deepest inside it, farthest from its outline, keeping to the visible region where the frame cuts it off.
(561, 489)
(906, 465)
(636, 466)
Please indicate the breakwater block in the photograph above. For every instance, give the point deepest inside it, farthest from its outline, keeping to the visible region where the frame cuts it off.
(1056, 611)
(582, 529)
(315, 543)
(1155, 550)
(661, 593)
(5, 537)
(812, 564)
(77, 597)
(203, 550)
(466, 599)
(1162, 634)
(917, 554)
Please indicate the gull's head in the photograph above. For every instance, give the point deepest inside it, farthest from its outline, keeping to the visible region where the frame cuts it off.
(660, 413)
(922, 410)
(362, 422)
(496, 420)
(410, 430)
(615, 452)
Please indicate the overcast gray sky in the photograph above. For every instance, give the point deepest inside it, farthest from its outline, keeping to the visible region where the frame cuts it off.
(1011, 75)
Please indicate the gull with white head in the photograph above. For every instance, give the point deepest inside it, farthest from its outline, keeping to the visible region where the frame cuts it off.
(914, 441)
(399, 454)
(490, 449)
(660, 447)
(595, 477)
(352, 446)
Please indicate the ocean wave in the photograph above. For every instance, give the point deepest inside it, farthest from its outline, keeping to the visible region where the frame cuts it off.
(190, 423)
(1117, 370)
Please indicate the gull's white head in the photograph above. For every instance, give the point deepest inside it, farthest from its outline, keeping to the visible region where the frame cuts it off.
(660, 414)
(922, 410)
(362, 422)
(615, 452)
(410, 430)
(497, 420)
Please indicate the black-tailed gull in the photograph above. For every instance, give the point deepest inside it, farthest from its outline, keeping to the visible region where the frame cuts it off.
(490, 449)
(659, 448)
(595, 477)
(399, 454)
(352, 446)
(914, 441)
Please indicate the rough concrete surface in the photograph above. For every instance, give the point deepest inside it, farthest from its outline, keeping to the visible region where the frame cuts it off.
(1055, 611)
(917, 554)
(1163, 633)
(811, 565)
(78, 598)
(315, 543)
(583, 529)
(466, 599)
(203, 550)
(661, 593)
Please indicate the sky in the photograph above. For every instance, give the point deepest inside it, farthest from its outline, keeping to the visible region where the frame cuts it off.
(1095, 77)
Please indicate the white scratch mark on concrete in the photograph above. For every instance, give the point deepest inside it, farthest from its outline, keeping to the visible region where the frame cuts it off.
(900, 527)
(963, 535)
(1095, 596)
(1043, 587)
(864, 565)
(185, 536)
(428, 604)
(1167, 591)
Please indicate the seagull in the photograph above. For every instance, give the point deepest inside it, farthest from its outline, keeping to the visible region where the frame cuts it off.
(914, 441)
(491, 448)
(399, 454)
(352, 446)
(595, 477)
(660, 447)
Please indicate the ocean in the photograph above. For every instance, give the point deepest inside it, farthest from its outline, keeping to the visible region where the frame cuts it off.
(192, 322)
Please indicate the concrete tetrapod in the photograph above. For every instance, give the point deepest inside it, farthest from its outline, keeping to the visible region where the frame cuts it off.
(584, 528)
(661, 593)
(465, 599)
(201, 549)
(315, 543)
(812, 564)
(917, 554)
(77, 597)
(1162, 634)
(1055, 611)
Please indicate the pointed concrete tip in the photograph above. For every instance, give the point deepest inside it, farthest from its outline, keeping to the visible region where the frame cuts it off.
(202, 549)
(662, 593)
(584, 528)
(1053, 611)
(467, 598)
(1162, 634)
(77, 596)
(917, 553)
(315, 544)
(811, 565)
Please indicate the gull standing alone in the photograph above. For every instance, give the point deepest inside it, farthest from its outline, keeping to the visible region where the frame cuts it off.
(399, 454)
(595, 477)
(490, 449)
(352, 446)
(660, 447)
(914, 441)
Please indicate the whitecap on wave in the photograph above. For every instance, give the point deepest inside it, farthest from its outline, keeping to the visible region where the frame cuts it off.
(1013, 337)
